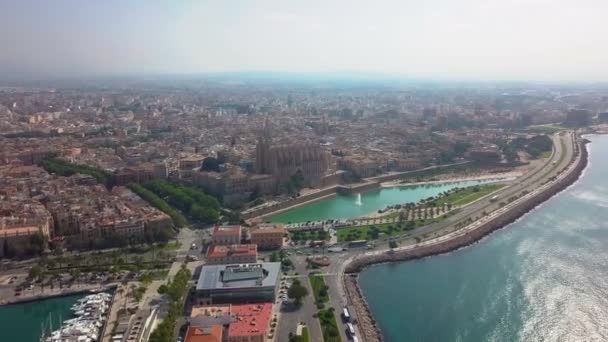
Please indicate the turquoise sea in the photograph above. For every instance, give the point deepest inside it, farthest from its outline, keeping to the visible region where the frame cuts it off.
(542, 278)
(23, 322)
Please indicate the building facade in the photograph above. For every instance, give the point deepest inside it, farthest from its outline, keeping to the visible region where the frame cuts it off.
(226, 235)
(233, 254)
(235, 322)
(307, 161)
(238, 283)
(268, 236)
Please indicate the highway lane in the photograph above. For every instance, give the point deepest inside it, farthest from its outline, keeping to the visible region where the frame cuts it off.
(527, 182)
(561, 157)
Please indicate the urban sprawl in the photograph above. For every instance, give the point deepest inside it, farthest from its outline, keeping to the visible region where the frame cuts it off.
(161, 193)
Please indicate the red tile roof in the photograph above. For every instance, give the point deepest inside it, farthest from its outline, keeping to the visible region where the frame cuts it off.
(226, 230)
(222, 251)
(251, 319)
(212, 334)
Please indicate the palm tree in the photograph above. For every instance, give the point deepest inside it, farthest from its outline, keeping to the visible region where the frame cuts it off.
(75, 274)
(60, 260)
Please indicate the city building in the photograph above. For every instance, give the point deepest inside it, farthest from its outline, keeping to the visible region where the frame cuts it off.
(360, 166)
(140, 174)
(214, 333)
(234, 186)
(578, 118)
(20, 222)
(191, 162)
(307, 161)
(238, 283)
(226, 235)
(485, 154)
(238, 322)
(232, 254)
(268, 236)
(252, 322)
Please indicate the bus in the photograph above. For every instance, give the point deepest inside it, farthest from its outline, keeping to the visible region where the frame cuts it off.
(345, 315)
(317, 243)
(350, 329)
(357, 243)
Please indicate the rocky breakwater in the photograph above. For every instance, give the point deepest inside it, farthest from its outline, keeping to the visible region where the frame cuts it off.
(455, 240)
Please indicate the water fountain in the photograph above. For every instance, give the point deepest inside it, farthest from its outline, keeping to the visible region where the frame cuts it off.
(358, 202)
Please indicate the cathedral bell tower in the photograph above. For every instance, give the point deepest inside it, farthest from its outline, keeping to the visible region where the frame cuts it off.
(262, 149)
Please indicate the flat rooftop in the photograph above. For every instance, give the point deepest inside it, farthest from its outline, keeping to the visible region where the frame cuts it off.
(210, 310)
(226, 230)
(250, 319)
(223, 251)
(210, 334)
(269, 228)
(235, 276)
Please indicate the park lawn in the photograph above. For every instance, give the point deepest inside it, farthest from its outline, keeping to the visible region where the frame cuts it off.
(318, 284)
(391, 215)
(469, 194)
(545, 155)
(361, 231)
(329, 326)
(305, 337)
(307, 236)
(546, 129)
(461, 197)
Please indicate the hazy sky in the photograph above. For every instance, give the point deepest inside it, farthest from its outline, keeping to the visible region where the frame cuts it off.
(469, 39)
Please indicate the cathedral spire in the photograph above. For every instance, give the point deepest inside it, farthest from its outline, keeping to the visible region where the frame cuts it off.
(267, 132)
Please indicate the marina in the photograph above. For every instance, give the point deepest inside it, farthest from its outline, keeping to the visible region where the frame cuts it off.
(24, 322)
(90, 314)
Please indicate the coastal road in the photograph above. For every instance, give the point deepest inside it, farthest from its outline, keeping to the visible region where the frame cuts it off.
(291, 316)
(563, 154)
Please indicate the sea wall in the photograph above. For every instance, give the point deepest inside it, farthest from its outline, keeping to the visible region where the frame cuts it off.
(351, 189)
(426, 171)
(50, 295)
(370, 330)
(283, 206)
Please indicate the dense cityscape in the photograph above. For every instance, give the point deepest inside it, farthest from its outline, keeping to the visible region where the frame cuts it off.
(166, 193)
(289, 171)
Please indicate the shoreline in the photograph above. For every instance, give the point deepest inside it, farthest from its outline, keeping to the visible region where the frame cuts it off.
(370, 329)
(38, 298)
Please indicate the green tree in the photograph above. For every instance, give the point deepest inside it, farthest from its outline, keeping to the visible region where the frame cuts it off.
(274, 257)
(36, 273)
(204, 214)
(163, 289)
(409, 225)
(297, 292)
